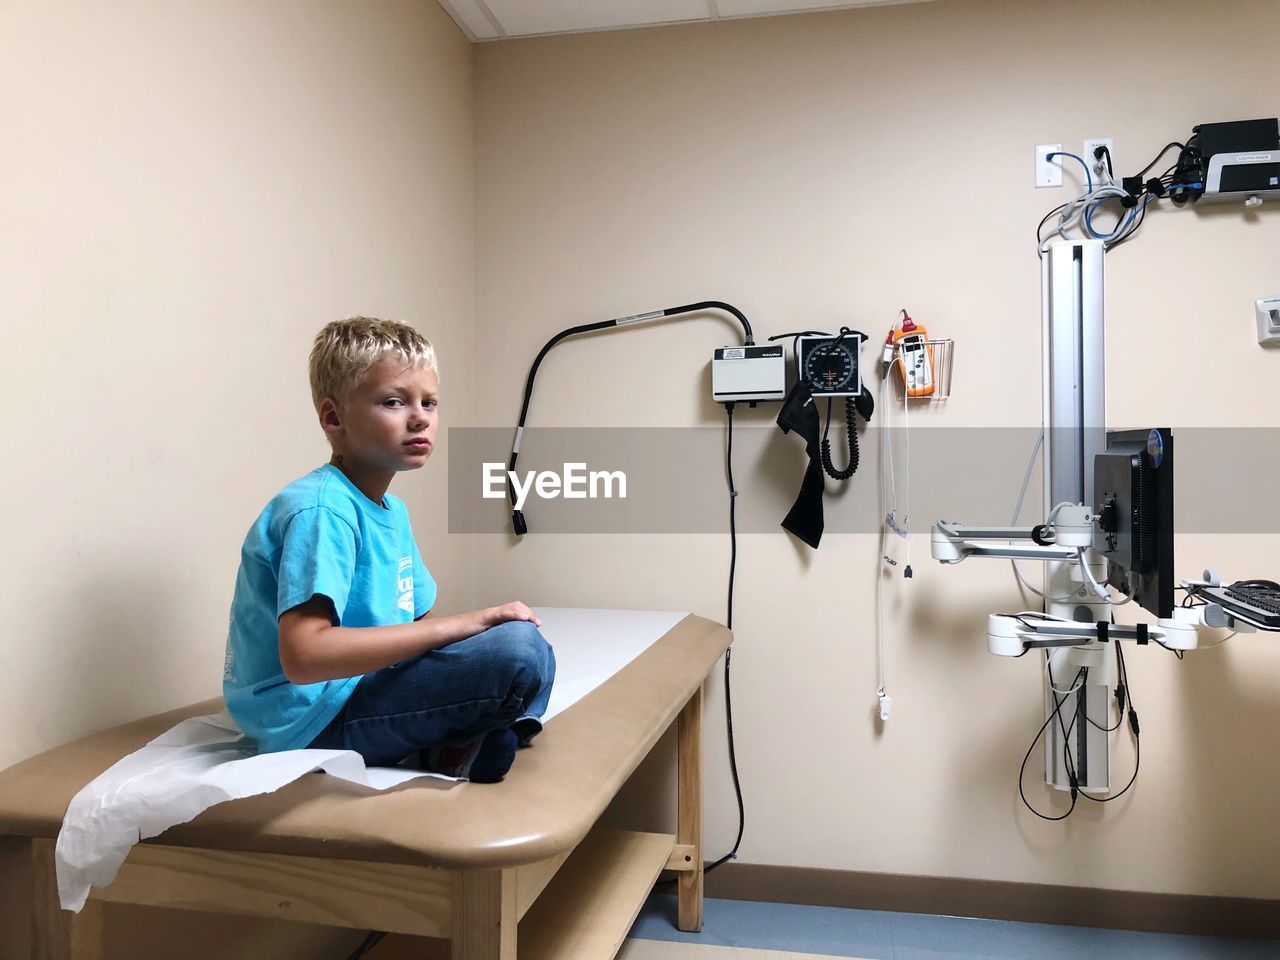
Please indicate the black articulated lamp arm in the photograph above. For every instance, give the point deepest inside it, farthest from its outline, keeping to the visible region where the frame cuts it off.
(517, 516)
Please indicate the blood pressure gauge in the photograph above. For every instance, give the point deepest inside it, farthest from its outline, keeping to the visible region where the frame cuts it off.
(829, 365)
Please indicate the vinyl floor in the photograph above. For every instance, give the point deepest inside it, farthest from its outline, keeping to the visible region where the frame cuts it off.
(738, 930)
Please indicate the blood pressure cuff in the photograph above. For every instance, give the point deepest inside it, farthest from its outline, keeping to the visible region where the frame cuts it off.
(800, 413)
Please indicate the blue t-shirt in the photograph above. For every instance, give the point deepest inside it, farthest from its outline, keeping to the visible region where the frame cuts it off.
(319, 535)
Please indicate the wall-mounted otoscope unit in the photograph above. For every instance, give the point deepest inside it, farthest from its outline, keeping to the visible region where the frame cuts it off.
(751, 380)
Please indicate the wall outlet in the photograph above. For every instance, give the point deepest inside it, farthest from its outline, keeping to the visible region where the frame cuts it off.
(1097, 165)
(1048, 172)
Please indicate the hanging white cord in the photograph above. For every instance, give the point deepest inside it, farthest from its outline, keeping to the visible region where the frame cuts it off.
(888, 505)
(1216, 643)
(906, 480)
(1013, 522)
(886, 457)
(1049, 679)
(1098, 589)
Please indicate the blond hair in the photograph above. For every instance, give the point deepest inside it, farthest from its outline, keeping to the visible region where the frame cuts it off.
(345, 350)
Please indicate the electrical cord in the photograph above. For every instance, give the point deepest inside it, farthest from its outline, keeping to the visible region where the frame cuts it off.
(367, 944)
(1067, 762)
(1180, 183)
(728, 654)
(1057, 710)
(1017, 510)
(888, 505)
(728, 659)
(1049, 677)
(1122, 684)
(1181, 146)
(1122, 688)
(1099, 590)
(1126, 709)
(1216, 643)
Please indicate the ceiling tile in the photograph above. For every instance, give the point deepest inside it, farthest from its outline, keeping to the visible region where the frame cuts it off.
(521, 18)
(468, 15)
(755, 8)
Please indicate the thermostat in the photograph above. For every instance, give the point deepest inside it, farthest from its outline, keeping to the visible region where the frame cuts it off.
(1268, 320)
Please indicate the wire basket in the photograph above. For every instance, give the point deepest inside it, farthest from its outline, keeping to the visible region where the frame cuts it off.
(940, 356)
(941, 353)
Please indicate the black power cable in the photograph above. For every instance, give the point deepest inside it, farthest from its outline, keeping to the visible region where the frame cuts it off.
(367, 944)
(1122, 683)
(1057, 710)
(1124, 701)
(728, 659)
(1121, 689)
(1181, 146)
(728, 654)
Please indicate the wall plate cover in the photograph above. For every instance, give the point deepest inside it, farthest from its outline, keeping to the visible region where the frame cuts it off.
(1048, 172)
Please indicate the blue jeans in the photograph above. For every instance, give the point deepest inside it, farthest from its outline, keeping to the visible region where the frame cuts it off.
(497, 679)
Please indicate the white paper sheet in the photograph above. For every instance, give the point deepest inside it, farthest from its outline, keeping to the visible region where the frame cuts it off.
(205, 761)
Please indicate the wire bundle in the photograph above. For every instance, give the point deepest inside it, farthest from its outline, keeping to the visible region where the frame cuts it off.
(1076, 216)
(1180, 183)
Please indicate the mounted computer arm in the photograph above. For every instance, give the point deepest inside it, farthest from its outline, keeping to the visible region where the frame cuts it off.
(1067, 529)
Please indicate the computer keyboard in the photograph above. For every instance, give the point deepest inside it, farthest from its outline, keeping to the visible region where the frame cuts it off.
(1256, 601)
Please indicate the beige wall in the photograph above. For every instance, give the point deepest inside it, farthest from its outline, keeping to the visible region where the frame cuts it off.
(831, 168)
(188, 192)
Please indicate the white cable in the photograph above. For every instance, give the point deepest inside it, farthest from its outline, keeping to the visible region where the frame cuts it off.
(886, 454)
(1026, 477)
(1057, 508)
(906, 470)
(1098, 589)
(1013, 521)
(1077, 213)
(1216, 643)
(1018, 573)
(1049, 679)
(880, 578)
(1044, 596)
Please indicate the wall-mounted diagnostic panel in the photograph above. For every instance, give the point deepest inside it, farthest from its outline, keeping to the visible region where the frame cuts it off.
(1268, 321)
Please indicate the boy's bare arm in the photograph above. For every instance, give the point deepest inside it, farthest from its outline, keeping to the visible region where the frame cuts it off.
(312, 649)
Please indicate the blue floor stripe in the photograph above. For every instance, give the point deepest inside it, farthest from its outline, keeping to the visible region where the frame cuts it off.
(880, 935)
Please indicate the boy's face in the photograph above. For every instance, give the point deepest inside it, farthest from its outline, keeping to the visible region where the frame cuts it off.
(388, 422)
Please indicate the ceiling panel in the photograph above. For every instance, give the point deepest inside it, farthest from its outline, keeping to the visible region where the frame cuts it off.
(759, 8)
(500, 19)
(471, 18)
(523, 17)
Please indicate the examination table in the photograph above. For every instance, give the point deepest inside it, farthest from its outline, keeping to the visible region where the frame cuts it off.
(485, 867)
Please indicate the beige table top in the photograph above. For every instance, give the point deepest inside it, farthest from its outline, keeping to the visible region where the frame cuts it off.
(546, 804)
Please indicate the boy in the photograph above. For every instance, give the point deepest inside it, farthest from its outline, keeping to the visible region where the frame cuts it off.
(332, 641)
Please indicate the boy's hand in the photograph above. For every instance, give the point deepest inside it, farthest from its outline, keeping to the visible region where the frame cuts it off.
(509, 611)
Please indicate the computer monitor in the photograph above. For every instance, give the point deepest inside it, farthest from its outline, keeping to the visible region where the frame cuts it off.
(1133, 487)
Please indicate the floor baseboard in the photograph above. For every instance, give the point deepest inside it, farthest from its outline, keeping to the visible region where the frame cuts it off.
(999, 900)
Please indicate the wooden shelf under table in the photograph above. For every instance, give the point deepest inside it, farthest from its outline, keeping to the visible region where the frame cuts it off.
(585, 911)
